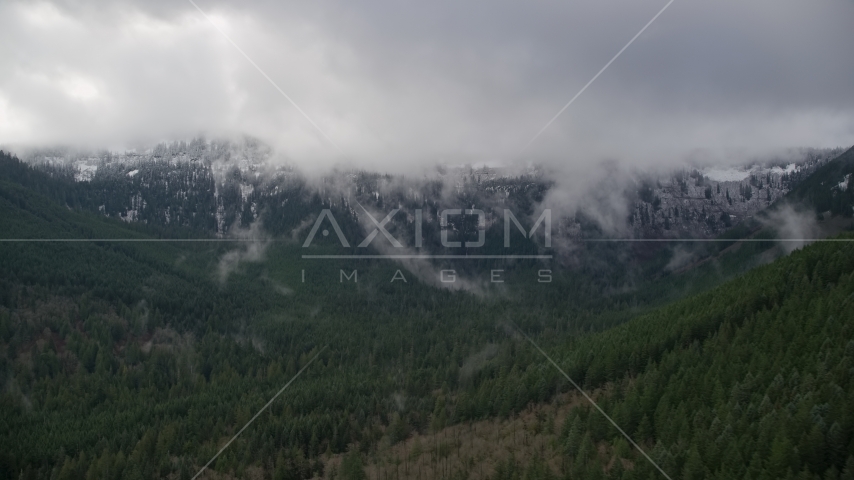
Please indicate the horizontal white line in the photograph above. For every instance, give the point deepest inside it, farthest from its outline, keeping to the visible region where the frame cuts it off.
(129, 240)
(697, 240)
(427, 257)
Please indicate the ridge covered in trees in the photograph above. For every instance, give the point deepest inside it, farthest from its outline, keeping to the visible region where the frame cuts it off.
(141, 359)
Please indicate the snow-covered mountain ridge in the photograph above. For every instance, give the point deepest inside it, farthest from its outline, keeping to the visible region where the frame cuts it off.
(216, 185)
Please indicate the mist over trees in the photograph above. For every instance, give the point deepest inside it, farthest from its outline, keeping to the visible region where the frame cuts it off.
(135, 360)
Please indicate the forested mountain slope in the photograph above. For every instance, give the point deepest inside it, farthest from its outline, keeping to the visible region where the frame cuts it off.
(140, 359)
(753, 379)
(829, 189)
(112, 348)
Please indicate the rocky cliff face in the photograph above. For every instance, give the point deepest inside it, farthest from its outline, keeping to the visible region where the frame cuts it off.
(216, 186)
(702, 203)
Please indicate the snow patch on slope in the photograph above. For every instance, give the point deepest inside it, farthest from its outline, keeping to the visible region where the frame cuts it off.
(719, 174)
(85, 171)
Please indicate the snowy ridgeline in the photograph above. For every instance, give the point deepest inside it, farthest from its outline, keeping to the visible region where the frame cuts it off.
(198, 184)
(211, 185)
(249, 156)
(704, 202)
(253, 156)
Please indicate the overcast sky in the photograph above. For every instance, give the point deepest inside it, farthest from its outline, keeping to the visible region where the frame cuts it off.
(400, 84)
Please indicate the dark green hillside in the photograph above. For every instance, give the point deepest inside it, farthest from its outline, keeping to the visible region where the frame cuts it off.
(822, 191)
(166, 276)
(110, 349)
(752, 380)
(140, 359)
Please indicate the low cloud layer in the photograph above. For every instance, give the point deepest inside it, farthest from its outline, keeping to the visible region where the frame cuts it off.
(796, 228)
(401, 85)
(252, 246)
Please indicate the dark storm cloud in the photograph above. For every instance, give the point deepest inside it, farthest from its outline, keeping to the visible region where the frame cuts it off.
(403, 84)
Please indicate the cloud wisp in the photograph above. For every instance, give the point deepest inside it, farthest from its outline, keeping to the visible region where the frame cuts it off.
(251, 249)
